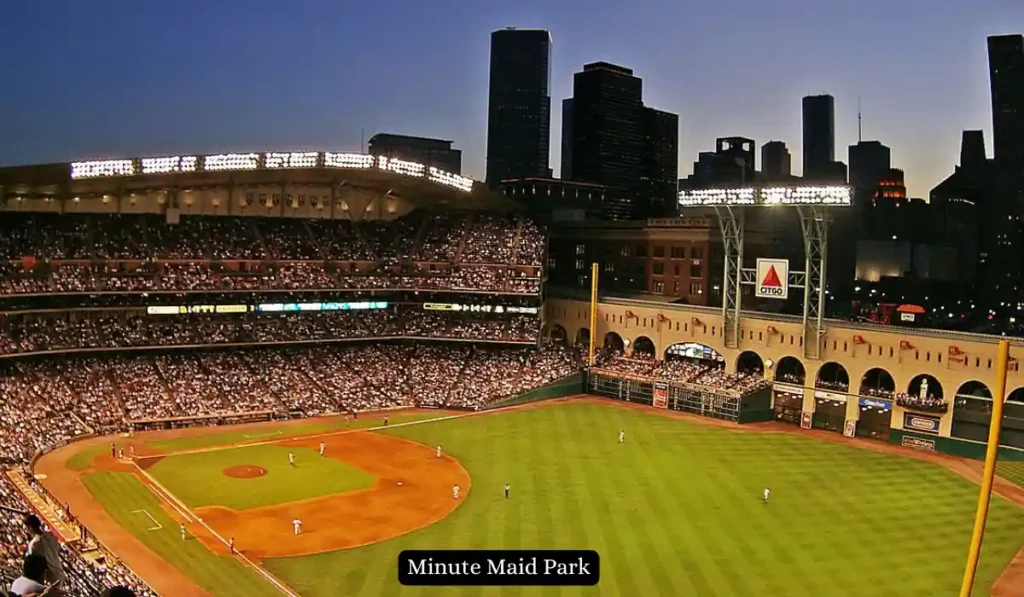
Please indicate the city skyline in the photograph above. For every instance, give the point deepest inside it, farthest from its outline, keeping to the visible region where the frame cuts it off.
(194, 83)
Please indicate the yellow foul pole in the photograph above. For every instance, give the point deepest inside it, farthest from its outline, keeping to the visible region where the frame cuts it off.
(593, 313)
(991, 454)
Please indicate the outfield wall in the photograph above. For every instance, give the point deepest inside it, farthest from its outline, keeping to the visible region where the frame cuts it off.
(567, 386)
(950, 445)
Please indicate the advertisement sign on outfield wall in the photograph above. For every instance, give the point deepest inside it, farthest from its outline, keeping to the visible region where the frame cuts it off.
(920, 423)
(805, 420)
(918, 443)
(660, 394)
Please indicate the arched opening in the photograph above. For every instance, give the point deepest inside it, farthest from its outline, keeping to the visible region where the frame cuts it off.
(583, 338)
(1016, 396)
(643, 347)
(924, 394)
(545, 331)
(832, 376)
(878, 383)
(558, 335)
(973, 389)
(613, 343)
(790, 370)
(749, 363)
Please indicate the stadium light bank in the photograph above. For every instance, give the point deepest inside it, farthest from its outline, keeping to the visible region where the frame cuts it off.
(835, 195)
(266, 161)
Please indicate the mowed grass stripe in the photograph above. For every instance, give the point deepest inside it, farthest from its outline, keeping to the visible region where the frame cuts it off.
(1011, 470)
(841, 521)
(121, 494)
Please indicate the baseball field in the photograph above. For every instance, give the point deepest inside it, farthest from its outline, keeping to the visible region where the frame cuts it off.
(674, 510)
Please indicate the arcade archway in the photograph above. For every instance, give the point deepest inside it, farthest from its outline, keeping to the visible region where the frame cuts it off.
(749, 363)
(613, 342)
(878, 383)
(643, 347)
(558, 334)
(972, 415)
(832, 376)
(582, 338)
(924, 394)
(790, 370)
(974, 389)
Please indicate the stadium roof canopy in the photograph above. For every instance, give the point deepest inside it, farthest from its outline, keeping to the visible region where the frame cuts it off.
(426, 186)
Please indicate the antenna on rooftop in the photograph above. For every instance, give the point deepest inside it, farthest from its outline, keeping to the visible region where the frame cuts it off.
(859, 136)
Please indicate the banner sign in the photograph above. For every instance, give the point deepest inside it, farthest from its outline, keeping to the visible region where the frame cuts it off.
(772, 278)
(870, 403)
(910, 441)
(819, 395)
(805, 420)
(792, 390)
(660, 394)
(480, 308)
(850, 428)
(922, 423)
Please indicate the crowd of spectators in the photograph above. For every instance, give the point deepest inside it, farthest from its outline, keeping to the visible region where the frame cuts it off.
(50, 401)
(99, 330)
(710, 374)
(87, 569)
(75, 253)
(927, 403)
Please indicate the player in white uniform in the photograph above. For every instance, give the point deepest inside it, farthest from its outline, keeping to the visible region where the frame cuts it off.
(291, 458)
(297, 524)
(321, 448)
(182, 531)
(764, 498)
(455, 491)
(622, 436)
(439, 451)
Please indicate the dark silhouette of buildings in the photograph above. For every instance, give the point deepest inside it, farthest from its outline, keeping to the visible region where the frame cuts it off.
(430, 152)
(819, 133)
(870, 161)
(560, 199)
(610, 138)
(776, 162)
(1006, 74)
(732, 163)
(519, 105)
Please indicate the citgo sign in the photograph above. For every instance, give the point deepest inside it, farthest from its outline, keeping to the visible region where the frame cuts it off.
(772, 279)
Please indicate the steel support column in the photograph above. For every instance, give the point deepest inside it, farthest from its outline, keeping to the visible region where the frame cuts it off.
(814, 222)
(730, 220)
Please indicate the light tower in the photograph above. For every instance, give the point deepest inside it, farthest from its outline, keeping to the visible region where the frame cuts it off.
(813, 204)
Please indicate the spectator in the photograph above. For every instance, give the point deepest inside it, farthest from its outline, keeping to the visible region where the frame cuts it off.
(33, 577)
(44, 544)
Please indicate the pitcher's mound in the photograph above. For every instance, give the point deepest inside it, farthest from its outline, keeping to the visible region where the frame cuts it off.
(245, 471)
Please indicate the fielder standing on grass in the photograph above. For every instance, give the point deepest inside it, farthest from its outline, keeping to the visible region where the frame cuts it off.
(764, 498)
(622, 436)
(182, 531)
(291, 458)
(439, 451)
(508, 488)
(321, 448)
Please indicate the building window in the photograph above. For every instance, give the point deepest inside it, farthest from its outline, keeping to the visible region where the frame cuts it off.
(659, 269)
(697, 253)
(580, 264)
(696, 271)
(678, 253)
(696, 288)
(676, 267)
(675, 287)
(581, 281)
(609, 266)
(659, 286)
(581, 249)
(624, 251)
(659, 251)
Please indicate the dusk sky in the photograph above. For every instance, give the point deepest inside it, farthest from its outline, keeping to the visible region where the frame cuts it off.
(124, 78)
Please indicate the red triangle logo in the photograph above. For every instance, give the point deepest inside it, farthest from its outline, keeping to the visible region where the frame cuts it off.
(772, 279)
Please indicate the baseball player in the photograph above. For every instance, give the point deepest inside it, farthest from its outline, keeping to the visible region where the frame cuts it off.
(455, 491)
(321, 448)
(508, 488)
(291, 458)
(297, 525)
(438, 451)
(764, 498)
(622, 436)
(182, 531)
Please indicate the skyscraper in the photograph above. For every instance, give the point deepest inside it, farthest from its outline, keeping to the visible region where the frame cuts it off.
(776, 163)
(869, 163)
(1006, 73)
(519, 105)
(429, 152)
(610, 138)
(819, 119)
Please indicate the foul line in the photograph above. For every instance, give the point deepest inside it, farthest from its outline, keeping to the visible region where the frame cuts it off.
(146, 512)
(182, 508)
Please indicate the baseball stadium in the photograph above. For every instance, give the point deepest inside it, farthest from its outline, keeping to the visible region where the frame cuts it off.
(261, 374)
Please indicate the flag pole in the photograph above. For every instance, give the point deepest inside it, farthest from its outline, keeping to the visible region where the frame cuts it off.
(991, 455)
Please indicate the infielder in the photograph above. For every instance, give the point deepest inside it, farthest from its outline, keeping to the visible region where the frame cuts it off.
(182, 531)
(297, 525)
(321, 448)
(438, 451)
(455, 491)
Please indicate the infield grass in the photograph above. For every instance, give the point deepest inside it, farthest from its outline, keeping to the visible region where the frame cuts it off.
(128, 502)
(285, 430)
(83, 459)
(676, 511)
(198, 478)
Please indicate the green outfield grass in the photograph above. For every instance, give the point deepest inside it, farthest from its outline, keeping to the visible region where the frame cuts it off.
(676, 511)
(284, 430)
(198, 478)
(125, 498)
(1011, 470)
